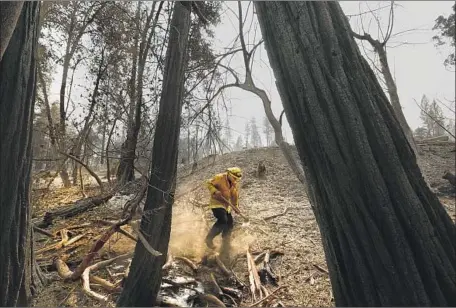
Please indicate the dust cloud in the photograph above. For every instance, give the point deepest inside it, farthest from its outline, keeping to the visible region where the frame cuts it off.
(189, 228)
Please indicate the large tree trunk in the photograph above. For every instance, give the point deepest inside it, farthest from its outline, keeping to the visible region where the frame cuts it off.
(388, 240)
(19, 277)
(143, 282)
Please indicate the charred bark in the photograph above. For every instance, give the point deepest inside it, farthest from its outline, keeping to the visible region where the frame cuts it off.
(388, 240)
(19, 277)
(143, 282)
(74, 209)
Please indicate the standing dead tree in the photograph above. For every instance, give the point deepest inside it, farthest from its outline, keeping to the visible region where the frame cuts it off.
(380, 48)
(249, 85)
(74, 20)
(387, 238)
(143, 40)
(144, 279)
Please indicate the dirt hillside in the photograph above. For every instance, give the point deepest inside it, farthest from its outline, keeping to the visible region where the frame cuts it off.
(280, 215)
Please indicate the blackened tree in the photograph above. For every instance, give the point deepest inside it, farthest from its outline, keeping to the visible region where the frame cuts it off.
(143, 282)
(387, 239)
(19, 275)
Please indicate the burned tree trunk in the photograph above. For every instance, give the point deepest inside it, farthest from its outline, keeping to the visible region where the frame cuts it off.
(144, 279)
(19, 277)
(388, 240)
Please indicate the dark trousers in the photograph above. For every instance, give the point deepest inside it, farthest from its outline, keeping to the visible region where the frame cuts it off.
(224, 224)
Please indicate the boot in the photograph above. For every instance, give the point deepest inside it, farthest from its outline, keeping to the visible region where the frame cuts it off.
(216, 230)
(225, 249)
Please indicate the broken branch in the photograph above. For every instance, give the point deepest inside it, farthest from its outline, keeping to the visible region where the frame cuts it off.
(188, 262)
(216, 285)
(270, 294)
(96, 247)
(277, 215)
(321, 268)
(145, 243)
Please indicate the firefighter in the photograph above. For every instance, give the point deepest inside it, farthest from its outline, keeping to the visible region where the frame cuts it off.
(224, 192)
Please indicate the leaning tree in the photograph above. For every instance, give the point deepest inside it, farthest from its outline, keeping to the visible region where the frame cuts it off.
(143, 282)
(19, 275)
(388, 240)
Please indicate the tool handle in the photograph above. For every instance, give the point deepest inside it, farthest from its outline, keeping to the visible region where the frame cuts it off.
(238, 211)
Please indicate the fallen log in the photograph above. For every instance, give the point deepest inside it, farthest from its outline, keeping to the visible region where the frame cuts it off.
(433, 139)
(450, 177)
(74, 209)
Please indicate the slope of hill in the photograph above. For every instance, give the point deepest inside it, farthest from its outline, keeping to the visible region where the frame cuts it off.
(280, 219)
(293, 230)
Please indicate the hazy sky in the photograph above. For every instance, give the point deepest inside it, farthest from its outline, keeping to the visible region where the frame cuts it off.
(417, 66)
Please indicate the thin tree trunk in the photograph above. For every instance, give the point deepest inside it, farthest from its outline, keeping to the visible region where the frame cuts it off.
(55, 143)
(125, 171)
(103, 138)
(108, 171)
(284, 146)
(380, 49)
(19, 276)
(388, 240)
(143, 282)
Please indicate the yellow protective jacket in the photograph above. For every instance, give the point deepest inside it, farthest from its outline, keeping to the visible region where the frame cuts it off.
(228, 190)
